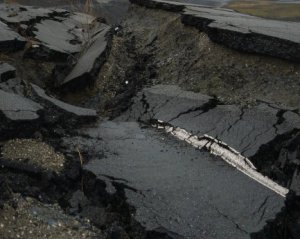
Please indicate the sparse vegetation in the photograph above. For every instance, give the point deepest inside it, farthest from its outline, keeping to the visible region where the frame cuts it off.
(81, 166)
(10, 1)
(86, 8)
(267, 9)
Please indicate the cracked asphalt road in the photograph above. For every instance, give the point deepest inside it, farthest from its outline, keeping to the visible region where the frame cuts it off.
(174, 186)
(179, 188)
(245, 129)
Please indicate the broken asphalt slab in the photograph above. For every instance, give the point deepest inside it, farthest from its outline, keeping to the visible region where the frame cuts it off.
(59, 110)
(17, 108)
(251, 131)
(56, 37)
(91, 59)
(53, 33)
(22, 116)
(78, 41)
(22, 19)
(244, 129)
(18, 115)
(10, 40)
(17, 14)
(238, 31)
(63, 36)
(189, 193)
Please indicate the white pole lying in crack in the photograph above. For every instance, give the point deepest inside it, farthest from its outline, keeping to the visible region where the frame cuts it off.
(228, 154)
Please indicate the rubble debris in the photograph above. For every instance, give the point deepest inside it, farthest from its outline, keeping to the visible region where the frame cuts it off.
(31, 153)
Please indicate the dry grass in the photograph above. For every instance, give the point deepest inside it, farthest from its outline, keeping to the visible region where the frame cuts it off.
(10, 1)
(81, 167)
(86, 7)
(267, 9)
(34, 153)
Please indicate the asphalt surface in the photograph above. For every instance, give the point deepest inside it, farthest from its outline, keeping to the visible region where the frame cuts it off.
(245, 129)
(87, 61)
(10, 39)
(230, 20)
(172, 186)
(112, 10)
(16, 108)
(181, 189)
(238, 31)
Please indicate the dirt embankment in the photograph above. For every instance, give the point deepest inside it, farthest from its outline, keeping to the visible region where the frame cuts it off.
(155, 45)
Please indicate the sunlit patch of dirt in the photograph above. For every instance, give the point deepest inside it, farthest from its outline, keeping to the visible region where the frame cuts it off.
(267, 9)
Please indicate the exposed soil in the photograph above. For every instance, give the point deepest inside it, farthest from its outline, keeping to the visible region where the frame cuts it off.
(35, 153)
(28, 218)
(176, 54)
(268, 9)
